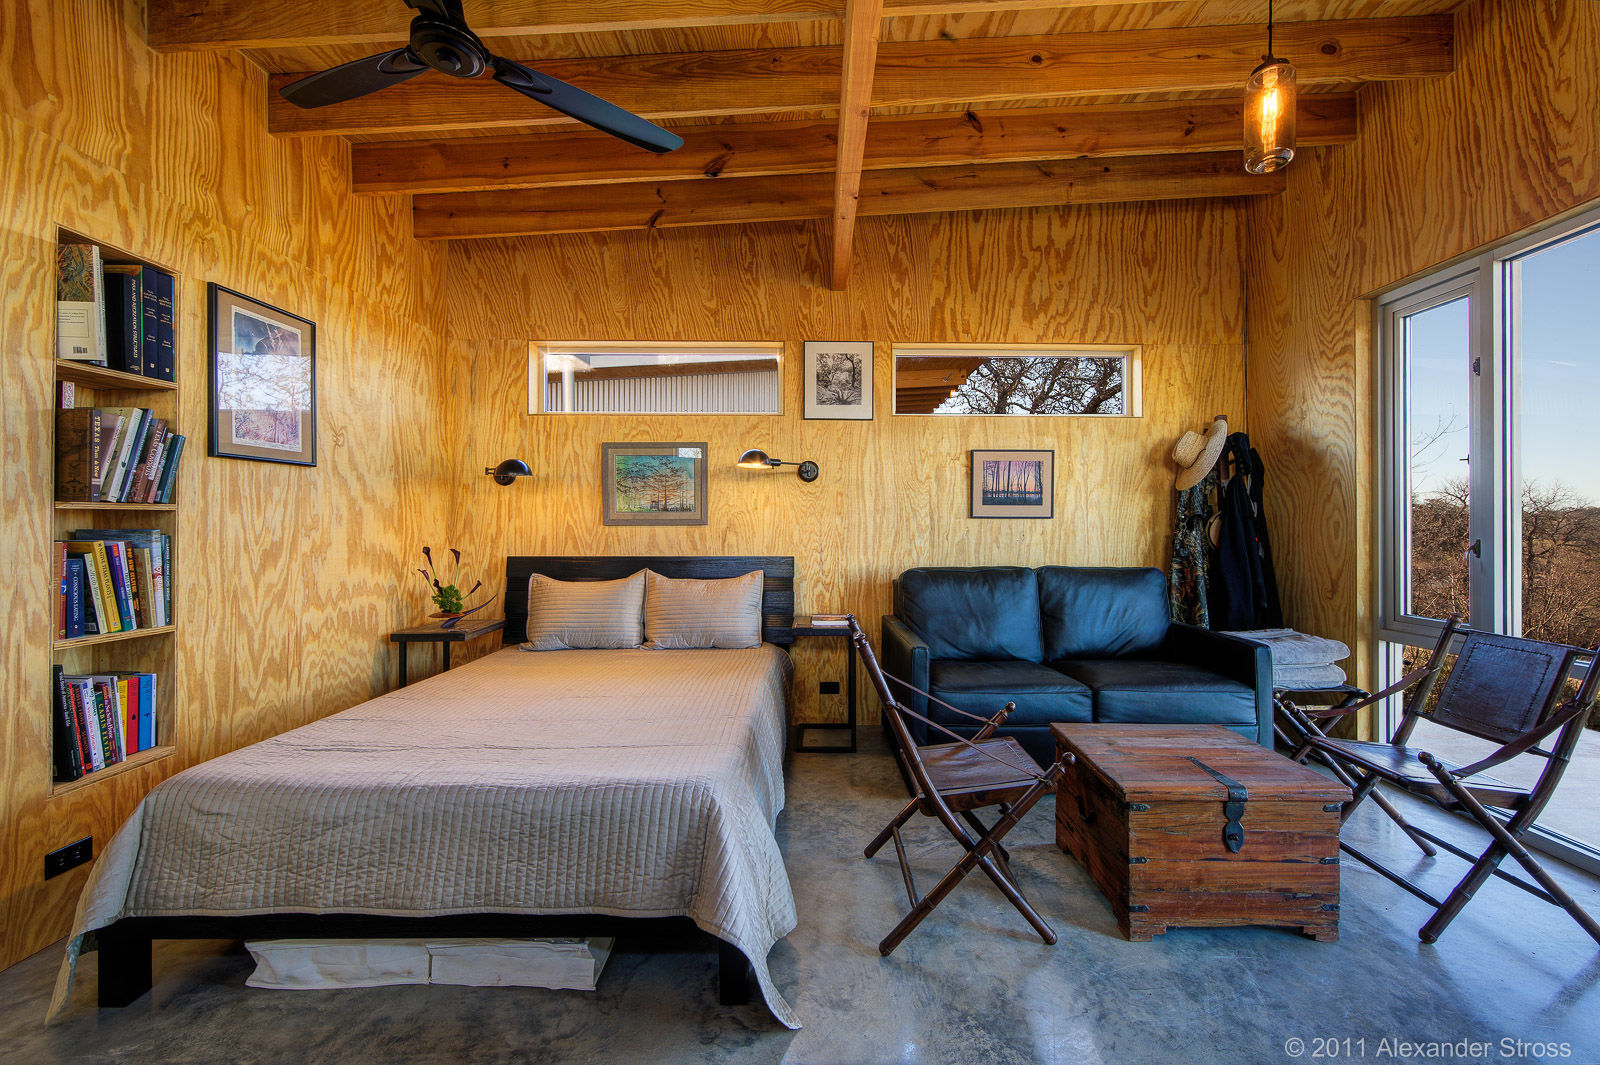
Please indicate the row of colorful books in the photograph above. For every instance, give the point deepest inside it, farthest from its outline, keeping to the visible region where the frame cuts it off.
(113, 580)
(115, 455)
(100, 719)
(117, 315)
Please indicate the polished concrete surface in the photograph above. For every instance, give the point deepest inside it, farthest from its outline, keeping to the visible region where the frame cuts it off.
(971, 985)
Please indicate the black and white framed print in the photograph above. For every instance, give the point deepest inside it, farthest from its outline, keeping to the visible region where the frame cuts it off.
(263, 381)
(838, 380)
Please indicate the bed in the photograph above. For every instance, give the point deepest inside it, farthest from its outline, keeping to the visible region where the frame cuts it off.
(574, 792)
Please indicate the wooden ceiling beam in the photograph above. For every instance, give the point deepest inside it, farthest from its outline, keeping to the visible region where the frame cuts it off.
(542, 212)
(862, 19)
(749, 81)
(759, 149)
(223, 25)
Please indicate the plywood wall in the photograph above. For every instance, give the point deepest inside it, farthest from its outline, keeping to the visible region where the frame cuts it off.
(1439, 168)
(893, 491)
(288, 578)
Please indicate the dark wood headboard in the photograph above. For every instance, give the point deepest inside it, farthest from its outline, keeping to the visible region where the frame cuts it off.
(777, 593)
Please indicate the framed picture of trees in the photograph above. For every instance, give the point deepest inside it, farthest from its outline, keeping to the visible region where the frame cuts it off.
(837, 380)
(653, 484)
(1013, 484)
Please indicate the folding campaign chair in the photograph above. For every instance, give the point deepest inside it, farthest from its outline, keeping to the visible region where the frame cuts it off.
(951, 780)
(1502, 689)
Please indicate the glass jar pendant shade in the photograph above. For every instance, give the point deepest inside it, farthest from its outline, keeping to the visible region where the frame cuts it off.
(1269, 111)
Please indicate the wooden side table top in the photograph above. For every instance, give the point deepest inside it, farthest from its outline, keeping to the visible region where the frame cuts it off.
(469, 629)
(1140, 763)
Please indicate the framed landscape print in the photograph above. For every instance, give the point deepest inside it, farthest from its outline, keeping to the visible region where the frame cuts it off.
(837, 380)
(263, 381)
(653, 484)
(1013, 484)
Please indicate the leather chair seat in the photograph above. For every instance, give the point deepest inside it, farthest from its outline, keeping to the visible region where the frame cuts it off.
(1043, 695)
(1140, 691)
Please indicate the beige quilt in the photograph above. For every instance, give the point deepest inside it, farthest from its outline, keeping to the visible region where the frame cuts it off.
(640, 783)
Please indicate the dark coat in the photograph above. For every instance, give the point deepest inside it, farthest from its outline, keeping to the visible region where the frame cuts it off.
(1244, 588)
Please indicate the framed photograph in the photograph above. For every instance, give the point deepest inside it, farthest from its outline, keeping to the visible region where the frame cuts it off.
(837, 379)
(1013, 484)
(263, 381)
(653, 484)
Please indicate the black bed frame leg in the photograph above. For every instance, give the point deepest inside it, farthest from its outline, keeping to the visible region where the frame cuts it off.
(126, 966)
(734, 976)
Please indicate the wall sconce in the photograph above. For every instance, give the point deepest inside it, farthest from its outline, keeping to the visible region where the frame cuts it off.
(756, 459)
(508, 471)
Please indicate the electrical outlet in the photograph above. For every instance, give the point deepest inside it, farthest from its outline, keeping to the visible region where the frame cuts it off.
(829, 687)
(68, 857)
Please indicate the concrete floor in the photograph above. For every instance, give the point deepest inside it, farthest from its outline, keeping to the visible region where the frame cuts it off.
(971, 985)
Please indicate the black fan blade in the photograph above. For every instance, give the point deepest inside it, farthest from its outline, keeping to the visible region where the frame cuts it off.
(585, 107)
(350, 80)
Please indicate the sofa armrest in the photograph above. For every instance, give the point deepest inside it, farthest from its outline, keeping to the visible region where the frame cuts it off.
(905, 655)
(1235, 657)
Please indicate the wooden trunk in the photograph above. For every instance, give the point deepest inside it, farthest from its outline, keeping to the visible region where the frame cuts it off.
(1147, 824)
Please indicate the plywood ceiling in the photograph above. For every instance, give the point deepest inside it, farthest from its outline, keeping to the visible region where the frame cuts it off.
(795, 109)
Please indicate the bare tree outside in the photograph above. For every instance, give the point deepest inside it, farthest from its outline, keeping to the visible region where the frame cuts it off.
(1041, 384)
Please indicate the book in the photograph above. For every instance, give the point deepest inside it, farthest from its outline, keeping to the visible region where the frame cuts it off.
(128, 695)
(166, 363)
(132, 453)
(64, 744)
(98, 568)
(75, 598)
(140, 478)
(112, 426)
(78, 455)
(157, 462)
(121, 591)
(66, 395)
(83, 705)
(61, 589)
(103, 698)
(147, 711)
(149, 328)
(169, 473)
(80, 304)
(148, 601)
(124, 309)
(159, 545)
(120, 458)
(830, 621)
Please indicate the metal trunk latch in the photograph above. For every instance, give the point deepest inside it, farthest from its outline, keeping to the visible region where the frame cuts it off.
(1232, 810)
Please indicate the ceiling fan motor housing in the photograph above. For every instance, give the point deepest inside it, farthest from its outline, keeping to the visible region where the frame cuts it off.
(448, 48)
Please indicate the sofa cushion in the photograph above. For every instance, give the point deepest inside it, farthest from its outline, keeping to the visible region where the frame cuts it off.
(1167, 693)
(977, 612)
(1101, 613)
(1042, 694)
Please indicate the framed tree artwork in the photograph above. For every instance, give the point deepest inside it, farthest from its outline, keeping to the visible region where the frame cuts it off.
(1013, 484)
(263, 381)
(653, 484)
(837, 380)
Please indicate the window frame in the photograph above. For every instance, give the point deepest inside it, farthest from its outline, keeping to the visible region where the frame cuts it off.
(539, 349)
(1132, 356)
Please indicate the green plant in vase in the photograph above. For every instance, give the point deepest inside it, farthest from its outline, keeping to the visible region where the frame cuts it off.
(448, 597)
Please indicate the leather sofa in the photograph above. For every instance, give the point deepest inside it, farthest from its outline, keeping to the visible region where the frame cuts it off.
(1065, 644)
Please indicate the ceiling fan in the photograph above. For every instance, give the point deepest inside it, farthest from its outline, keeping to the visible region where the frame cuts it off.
(441, 40)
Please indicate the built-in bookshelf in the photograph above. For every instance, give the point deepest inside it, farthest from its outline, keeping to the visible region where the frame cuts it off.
(151, 648)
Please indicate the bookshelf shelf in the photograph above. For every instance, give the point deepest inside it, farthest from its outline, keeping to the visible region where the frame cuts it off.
(100, 377)
(113, 637)
(117, 506)
(133, 761)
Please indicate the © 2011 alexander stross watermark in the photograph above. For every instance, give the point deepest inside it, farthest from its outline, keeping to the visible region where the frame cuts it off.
(1402, 1049)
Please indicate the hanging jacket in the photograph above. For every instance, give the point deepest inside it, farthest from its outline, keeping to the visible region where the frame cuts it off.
(1243, 584)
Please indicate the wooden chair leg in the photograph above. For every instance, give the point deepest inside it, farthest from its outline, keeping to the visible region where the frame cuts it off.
(883, 837)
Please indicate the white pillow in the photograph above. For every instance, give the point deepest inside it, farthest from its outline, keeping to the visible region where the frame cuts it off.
(680, 614)
(584, 614)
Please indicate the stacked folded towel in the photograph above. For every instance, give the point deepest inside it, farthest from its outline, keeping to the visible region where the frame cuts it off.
(1300, 661)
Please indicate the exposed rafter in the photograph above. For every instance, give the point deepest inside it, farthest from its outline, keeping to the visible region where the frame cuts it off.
(221, 25)
(760, 149)
(861, 21)
(1079, 65)
(798, 197)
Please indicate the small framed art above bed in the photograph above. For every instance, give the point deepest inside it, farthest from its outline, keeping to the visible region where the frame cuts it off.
(621, 791)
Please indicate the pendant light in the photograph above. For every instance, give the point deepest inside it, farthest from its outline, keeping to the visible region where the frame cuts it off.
(1269, 112)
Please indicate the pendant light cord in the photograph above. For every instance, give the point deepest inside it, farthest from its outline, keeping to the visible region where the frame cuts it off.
(1269, 29)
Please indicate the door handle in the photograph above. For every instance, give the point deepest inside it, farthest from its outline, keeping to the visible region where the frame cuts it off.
(1475, 549)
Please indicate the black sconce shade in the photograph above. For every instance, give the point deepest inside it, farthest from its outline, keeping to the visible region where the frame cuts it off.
(509, 471)
(756, 459)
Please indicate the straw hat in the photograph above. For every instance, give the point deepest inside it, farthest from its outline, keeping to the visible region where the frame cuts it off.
(1196, 454)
